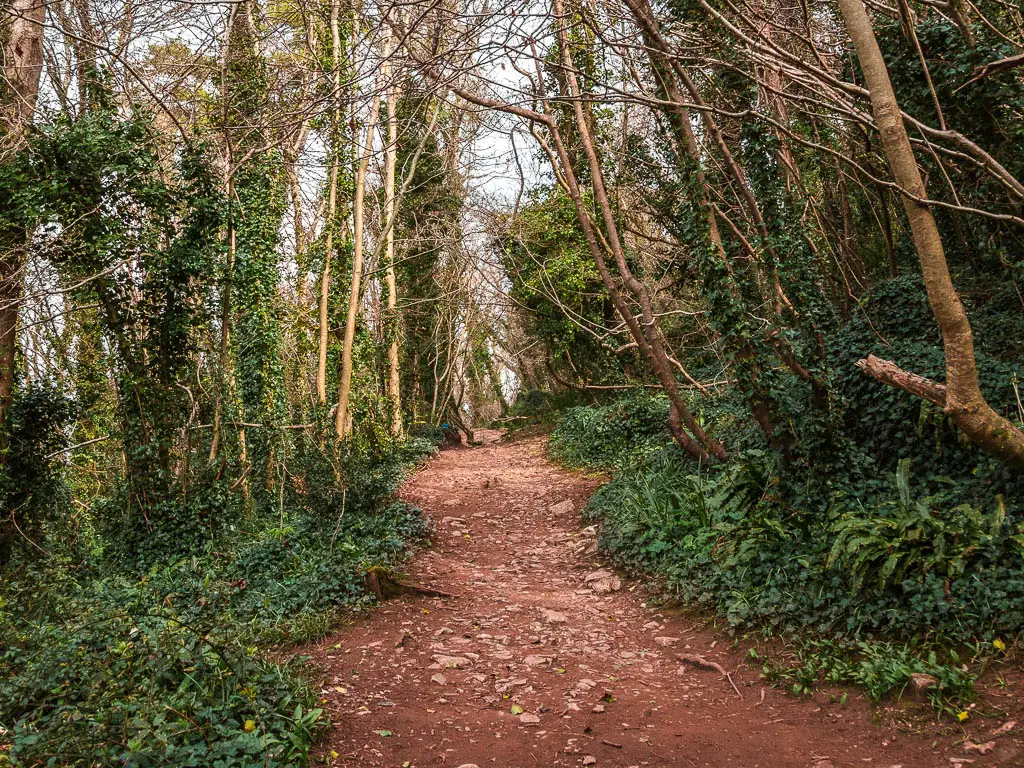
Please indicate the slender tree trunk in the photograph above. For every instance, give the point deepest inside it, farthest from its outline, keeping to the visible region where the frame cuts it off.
(341, 419)
(391, 159)
(22, 45)
(963, 401)
(224, 347)
(332, 205)
(679, 413)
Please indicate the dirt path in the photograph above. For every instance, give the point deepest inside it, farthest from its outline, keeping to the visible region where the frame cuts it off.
(596, 676)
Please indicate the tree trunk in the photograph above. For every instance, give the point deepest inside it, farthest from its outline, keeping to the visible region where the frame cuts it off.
(341, 417)
(679, 413)
(390, 161)
(963, 401)
(22, 70)
(686, 144)
(332, 205)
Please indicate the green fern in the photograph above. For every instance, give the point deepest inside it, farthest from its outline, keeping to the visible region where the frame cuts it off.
(911, 536)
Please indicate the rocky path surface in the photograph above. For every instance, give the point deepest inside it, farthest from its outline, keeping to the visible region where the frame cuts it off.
(545, 658)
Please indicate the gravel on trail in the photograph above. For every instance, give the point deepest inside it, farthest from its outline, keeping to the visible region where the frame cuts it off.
(547, 657)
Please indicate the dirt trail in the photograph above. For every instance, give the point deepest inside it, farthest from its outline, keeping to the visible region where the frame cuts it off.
(596, 675)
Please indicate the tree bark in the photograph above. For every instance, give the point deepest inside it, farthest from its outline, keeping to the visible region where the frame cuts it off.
(22, 69)
(889, 373)
(332, 206)
(964, 403)
(341, 417)
(390, 161)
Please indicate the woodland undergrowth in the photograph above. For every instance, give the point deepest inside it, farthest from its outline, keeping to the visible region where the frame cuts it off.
(107, 664)
(871, 563)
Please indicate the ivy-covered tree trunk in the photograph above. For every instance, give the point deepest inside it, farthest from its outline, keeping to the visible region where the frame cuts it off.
(21, 42)
(391, 317)
(257, 207)
(331, 224)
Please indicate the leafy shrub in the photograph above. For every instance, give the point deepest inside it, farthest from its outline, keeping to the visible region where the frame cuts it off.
(879, 668)
(32, 491)
(921, 564)
(148, 690)
(103, 666)
(625, 431)
(907, 535)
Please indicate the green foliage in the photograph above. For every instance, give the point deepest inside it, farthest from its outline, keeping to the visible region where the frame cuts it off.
(880, 668)
(138, 238)
(625, 432)
(908, 535)
(32, 488)
(147, 690)
(892, 570)
(167, 668)
(555, 282)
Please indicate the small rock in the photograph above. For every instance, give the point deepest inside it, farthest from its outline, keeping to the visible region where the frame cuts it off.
(536, 661)
(561, 507)
(603, 581)
(919, 685)
(554, 617)
(528, 718)
(589, 760)
(598, 709)
(1003, 729)
(452, 662)
(439, 679)
(981, 749)
(469, 765)
(666, 641)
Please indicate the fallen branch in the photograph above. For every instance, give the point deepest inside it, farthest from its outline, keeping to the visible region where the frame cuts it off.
(700, 661)
(996, 66)
(889, 373)
(385, 586)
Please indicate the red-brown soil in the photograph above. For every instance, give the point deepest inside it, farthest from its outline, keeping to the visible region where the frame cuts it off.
(532, 665)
